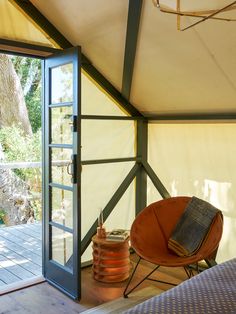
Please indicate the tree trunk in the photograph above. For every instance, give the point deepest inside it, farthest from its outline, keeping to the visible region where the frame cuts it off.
(14, 192)
(12, 103)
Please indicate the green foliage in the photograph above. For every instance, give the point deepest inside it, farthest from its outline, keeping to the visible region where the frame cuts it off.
(29, 72)
(2, 215)
(19, 147)
(37, 207)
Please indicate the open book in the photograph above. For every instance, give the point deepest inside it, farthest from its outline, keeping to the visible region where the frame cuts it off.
(117, 235)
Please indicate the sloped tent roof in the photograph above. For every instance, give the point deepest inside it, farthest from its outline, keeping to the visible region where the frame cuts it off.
(174, 72)
(15, 26)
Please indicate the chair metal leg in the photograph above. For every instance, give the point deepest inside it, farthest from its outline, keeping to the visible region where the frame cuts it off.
(210, 262)
(166, 282)
(188, 271)
(131, 277)
(125, 293)
(197, 268)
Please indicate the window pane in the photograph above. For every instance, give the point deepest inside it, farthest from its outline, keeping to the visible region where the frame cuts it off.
(62, 245)
(61, 166)
(62, 205)
(61, 125)
(62, 83)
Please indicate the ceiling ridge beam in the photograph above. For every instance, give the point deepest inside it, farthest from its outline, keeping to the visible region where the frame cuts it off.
(193, 117)
(132, 31)
(48, 28)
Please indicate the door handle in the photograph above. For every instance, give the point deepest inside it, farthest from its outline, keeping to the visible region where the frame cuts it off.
(71, 169)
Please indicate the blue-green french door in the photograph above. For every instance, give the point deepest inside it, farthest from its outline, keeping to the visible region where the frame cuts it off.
(61, 171)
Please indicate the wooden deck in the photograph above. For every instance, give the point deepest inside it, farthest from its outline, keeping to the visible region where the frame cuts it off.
(20, 253)
(44, 298)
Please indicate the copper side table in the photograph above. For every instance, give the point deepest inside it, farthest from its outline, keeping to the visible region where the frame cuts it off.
(111, 261)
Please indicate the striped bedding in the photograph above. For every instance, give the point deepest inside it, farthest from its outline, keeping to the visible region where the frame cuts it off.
(212, 291)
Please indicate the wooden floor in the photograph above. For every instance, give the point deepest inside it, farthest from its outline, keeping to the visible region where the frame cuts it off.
(43, 298)
(20, 253)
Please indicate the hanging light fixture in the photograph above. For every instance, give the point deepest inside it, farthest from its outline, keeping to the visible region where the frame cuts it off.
(201, 9)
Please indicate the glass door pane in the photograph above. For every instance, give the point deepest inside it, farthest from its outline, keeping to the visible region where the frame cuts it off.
(61, 120)
(61, 178)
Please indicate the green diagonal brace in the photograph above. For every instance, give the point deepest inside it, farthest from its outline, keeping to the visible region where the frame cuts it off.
(110, 205)
(156, 181)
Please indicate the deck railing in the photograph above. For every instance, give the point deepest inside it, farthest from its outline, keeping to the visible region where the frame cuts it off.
(30, 164)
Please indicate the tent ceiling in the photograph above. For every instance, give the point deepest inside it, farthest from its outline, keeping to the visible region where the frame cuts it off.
(190, 71)
(99, 27)
(174, 72)
(15, 26)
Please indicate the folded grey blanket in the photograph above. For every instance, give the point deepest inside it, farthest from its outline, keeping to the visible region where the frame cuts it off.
(192, 227)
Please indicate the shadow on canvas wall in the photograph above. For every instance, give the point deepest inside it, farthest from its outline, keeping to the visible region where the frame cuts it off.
(198, 159)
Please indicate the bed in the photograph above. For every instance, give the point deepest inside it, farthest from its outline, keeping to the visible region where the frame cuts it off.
(212, 291)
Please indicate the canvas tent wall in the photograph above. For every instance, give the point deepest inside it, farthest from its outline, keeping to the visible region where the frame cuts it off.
(105, 139)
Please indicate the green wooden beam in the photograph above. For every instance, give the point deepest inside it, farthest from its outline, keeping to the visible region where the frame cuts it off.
(141, 178)
(193, 117)
(109, 161)
(35, 51)
(110, 206)
(47, 27)
(156, 181)
(100, 117)
(132, 30)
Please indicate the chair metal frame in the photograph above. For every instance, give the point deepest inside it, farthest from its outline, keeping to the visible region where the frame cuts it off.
(188, 270)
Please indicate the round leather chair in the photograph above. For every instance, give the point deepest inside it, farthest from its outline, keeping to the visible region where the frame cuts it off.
(153, 227)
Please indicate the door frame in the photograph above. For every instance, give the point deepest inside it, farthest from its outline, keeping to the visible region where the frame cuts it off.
(68, 283)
